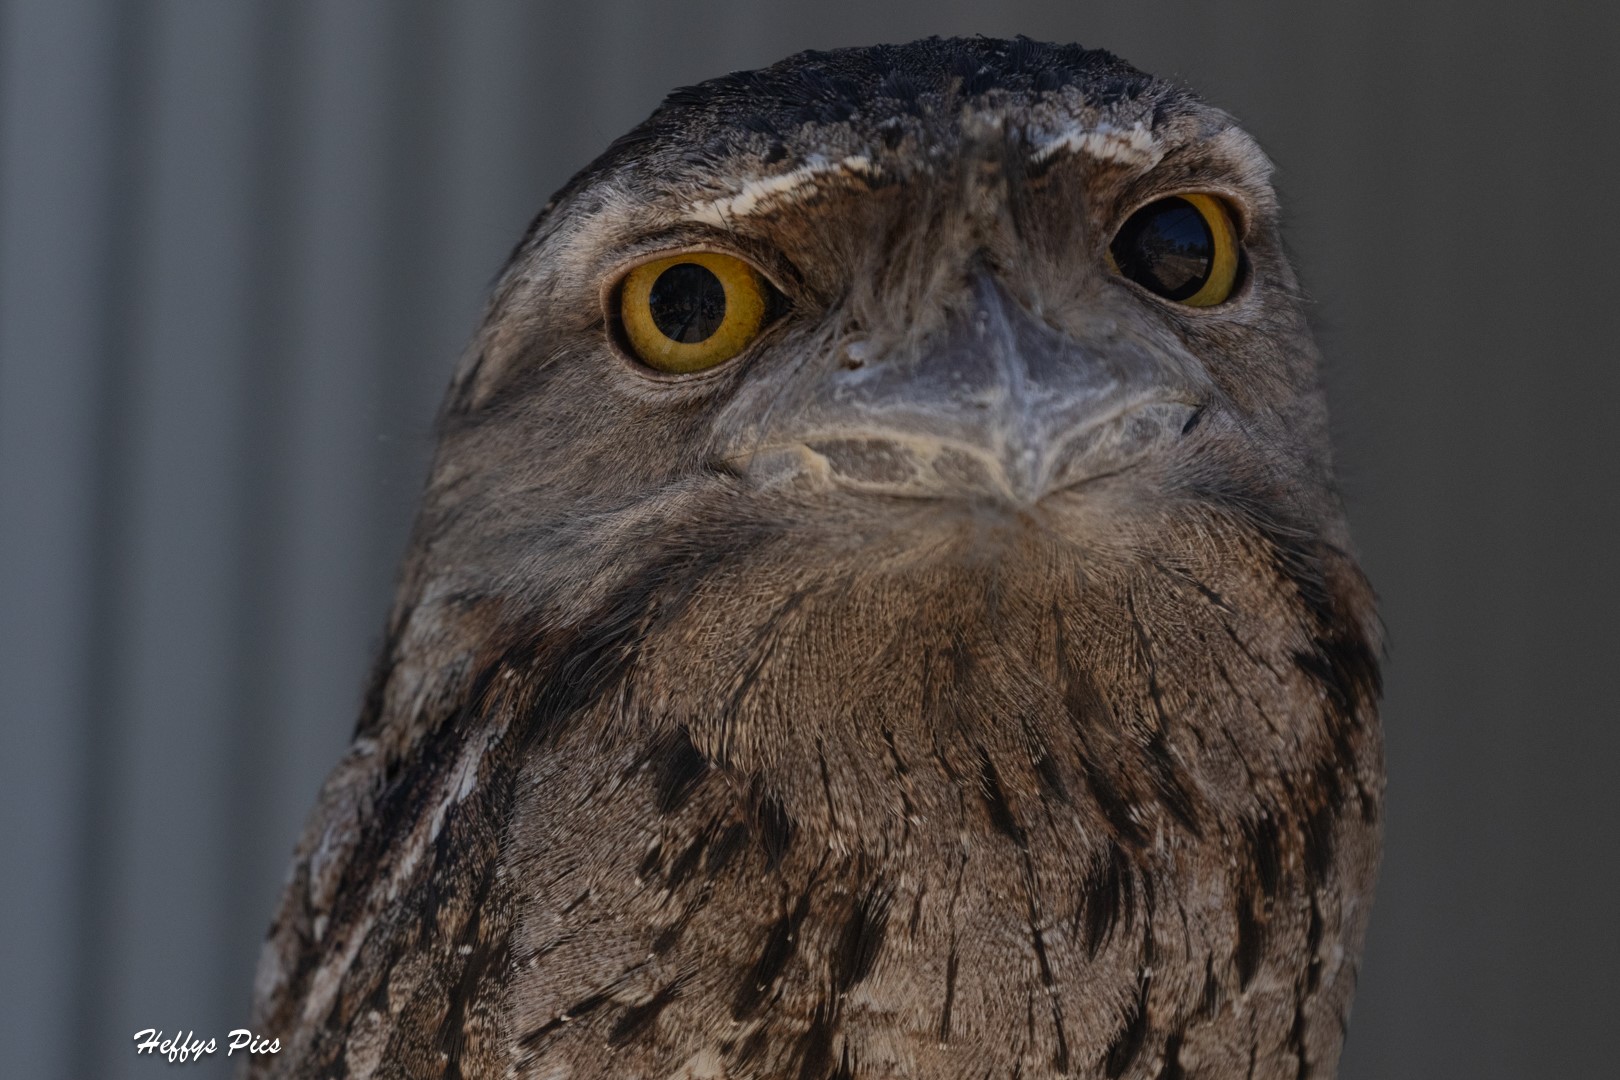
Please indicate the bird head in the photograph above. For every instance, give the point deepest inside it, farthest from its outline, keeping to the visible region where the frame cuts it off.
(892, 299)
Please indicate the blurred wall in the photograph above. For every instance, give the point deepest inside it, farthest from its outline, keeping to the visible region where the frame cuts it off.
(241, 244)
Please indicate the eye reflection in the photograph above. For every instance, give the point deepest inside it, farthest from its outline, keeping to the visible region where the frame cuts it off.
(1183, 248)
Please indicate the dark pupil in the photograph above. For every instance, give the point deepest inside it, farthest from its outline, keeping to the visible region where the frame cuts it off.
(688, 303)
(1166, 247)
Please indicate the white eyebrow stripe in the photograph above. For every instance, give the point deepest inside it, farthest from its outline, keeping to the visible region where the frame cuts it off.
(766, 192)
(1134, 145)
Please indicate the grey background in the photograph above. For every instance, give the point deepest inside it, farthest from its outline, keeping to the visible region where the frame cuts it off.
(241, 244)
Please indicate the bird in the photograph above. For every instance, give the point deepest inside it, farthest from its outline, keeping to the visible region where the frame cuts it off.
(881, 607)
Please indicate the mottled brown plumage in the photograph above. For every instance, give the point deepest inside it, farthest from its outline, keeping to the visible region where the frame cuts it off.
(971, 679)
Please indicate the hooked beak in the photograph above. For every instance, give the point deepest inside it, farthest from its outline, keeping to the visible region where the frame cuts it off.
(1003, 407)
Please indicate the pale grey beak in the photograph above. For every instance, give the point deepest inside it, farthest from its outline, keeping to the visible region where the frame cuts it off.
(1002, 406)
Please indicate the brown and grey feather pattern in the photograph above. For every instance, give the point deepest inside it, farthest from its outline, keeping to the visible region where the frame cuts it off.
(970, 680)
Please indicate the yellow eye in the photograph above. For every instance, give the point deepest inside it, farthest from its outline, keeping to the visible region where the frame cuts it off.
(690, 312)
(1183, 248)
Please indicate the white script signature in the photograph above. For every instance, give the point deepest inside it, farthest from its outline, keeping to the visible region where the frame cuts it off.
(180, 1049)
